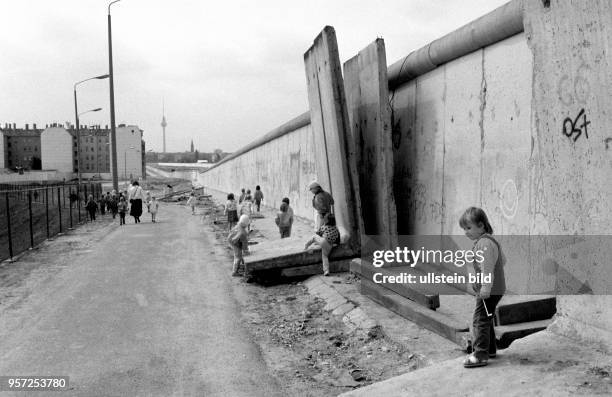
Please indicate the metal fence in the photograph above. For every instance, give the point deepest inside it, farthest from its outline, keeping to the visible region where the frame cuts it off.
(30, 214)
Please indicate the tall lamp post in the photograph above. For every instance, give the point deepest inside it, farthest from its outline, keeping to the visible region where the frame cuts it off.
(112, 103)
(76, 116)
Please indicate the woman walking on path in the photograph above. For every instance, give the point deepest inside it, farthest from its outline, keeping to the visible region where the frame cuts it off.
(136, 199)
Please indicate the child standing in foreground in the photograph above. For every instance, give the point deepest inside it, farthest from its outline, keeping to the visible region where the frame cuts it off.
(92, 208)
(326, 237)
(192, 203)
(284, 220)
(231, 210)
(476, 225)
(153, 207)
(238, 240)
(122, 207)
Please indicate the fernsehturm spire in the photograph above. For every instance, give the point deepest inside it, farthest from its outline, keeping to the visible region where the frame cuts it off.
(164, 124)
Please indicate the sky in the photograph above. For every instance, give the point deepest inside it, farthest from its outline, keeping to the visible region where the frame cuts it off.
(226, 72)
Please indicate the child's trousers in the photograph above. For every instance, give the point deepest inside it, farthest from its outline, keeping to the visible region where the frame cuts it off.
(285, 231)
(238, 259)
(482, 327)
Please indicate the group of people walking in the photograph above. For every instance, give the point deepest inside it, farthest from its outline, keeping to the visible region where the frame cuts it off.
(131, 200)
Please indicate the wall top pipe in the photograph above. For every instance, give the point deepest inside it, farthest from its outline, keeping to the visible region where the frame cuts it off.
(499, 24)
(292, 125)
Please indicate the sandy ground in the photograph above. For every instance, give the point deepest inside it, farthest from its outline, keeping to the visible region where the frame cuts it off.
(312, 352)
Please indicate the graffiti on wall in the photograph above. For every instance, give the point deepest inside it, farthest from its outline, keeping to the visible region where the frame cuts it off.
(576, 89)
(577, 126)
(508, 199)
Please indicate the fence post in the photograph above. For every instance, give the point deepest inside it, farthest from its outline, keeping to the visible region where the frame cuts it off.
(70, 202)
(8, 224)
(30, 213)
(59, 208)
(85, 198)
(47, 210)
(79, 201)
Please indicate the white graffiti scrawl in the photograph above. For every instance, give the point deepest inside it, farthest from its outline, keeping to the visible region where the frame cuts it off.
(508, 199)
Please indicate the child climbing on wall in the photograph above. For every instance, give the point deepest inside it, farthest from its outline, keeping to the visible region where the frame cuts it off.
(238, 240)
(477, 228)
(326, 237)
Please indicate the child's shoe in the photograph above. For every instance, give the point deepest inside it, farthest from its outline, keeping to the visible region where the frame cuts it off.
(472, 361)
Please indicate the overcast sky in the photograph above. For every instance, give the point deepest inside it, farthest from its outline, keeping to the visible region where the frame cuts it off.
(229, 71)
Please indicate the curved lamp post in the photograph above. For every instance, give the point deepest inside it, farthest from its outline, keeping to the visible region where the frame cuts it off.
(76, 116)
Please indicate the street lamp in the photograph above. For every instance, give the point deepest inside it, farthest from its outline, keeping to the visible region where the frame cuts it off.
(112, 103)
(79, 140)
(76, 116)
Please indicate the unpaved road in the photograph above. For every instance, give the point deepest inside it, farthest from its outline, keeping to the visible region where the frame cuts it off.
(147, 310)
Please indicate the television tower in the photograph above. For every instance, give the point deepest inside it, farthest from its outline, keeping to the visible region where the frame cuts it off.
(164, 124)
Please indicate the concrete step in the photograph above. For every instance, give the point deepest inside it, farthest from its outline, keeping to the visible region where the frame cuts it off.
(287, 253)
(450, 328)
(506, 334)
(426, 294)
(415, 292)
(515, 309)
(311, 270)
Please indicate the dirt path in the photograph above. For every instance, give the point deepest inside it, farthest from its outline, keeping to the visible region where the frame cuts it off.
(135, 310)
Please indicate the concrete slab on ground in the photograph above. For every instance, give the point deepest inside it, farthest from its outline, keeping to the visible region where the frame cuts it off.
(542, 364)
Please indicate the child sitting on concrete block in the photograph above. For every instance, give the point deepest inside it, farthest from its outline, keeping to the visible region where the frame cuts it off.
(326, 238)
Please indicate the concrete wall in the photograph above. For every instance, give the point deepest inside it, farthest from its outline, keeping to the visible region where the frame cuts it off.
(283, 167)
(36, 176)
(502, 125)
(462, 137)
(505, 128)
(571, 44)
(57, 149)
